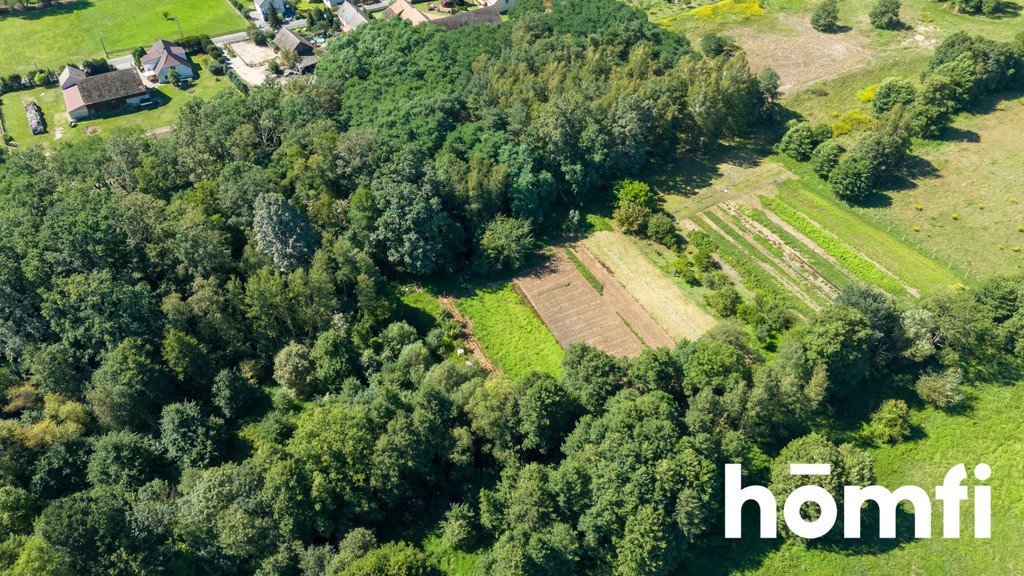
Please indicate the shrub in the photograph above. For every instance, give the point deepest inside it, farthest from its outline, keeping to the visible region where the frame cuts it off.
(890, 424)
(724, 301)
(826, 16)
(867, 94)
(852, 177)
(825, 158)
(942, 389)
(857, 120)
(893, 91)
(636, 192)
(662, 229)
(632, 217)
(196, 44)
(216, 68)
(885, 15)
(713, 45)
(458, 529)
(802, 138)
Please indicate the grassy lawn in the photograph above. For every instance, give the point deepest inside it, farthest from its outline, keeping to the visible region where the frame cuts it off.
(510, 333)
(420, 309)
(941, 441)
(879, 242)
(51, 101)
(979, 179)
(52, 37)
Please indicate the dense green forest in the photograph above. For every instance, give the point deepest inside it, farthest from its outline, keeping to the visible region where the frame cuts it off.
(207, 368)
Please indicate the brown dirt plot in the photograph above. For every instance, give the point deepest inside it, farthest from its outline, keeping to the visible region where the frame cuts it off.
(800, 54)
(574, 311)
(674, 311)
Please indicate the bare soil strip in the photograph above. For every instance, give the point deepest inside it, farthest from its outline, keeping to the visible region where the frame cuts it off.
(575, 312)
(467, 334)
(678, 315)
(801, 55)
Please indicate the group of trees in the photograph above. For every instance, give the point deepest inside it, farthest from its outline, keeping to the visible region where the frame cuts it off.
(963, 70)
(884, 15)
(207, 369)
(986, 7)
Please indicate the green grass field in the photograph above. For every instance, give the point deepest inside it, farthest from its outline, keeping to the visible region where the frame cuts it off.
(510, 333)
(985, 433)
(52, 104)
(897, 252)
(979, 179)
(52, 37)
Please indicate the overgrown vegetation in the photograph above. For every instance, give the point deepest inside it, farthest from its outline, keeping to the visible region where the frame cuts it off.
(209, 366)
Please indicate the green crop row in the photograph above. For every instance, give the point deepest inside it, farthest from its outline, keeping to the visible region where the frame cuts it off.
(851, 260)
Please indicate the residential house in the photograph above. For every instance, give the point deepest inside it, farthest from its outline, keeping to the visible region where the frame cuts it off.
(263, 9)
(70, 76)
(351, 16)
(86, 96)
(289, 41)
(487, 16)
(402, 9)
(163, 57)
(501, 5)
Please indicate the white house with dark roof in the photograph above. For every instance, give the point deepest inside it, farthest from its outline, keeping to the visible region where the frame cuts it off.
(263, 8)
(502, 5)
(70, 76)
(163, 57)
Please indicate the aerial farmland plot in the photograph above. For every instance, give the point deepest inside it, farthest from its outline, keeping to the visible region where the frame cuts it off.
(602, 313)
(677, 313)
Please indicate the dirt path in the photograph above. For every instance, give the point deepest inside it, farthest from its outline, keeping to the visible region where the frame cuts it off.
(467, 332)
(673, 310)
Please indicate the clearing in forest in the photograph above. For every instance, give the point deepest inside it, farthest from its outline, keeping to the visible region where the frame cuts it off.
(676, 313)
(509, 332)
(800, 54)
(598, 311)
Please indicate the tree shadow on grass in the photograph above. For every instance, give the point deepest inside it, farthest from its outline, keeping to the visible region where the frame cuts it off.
(991, 102)
(954, 134)
(687, 174)
(1006, 9)
(40, 13)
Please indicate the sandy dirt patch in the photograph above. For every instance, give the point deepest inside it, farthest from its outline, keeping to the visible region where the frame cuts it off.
(800, 54)
(574, 310)
(251, 75)
(676, 313)
(251, 54)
